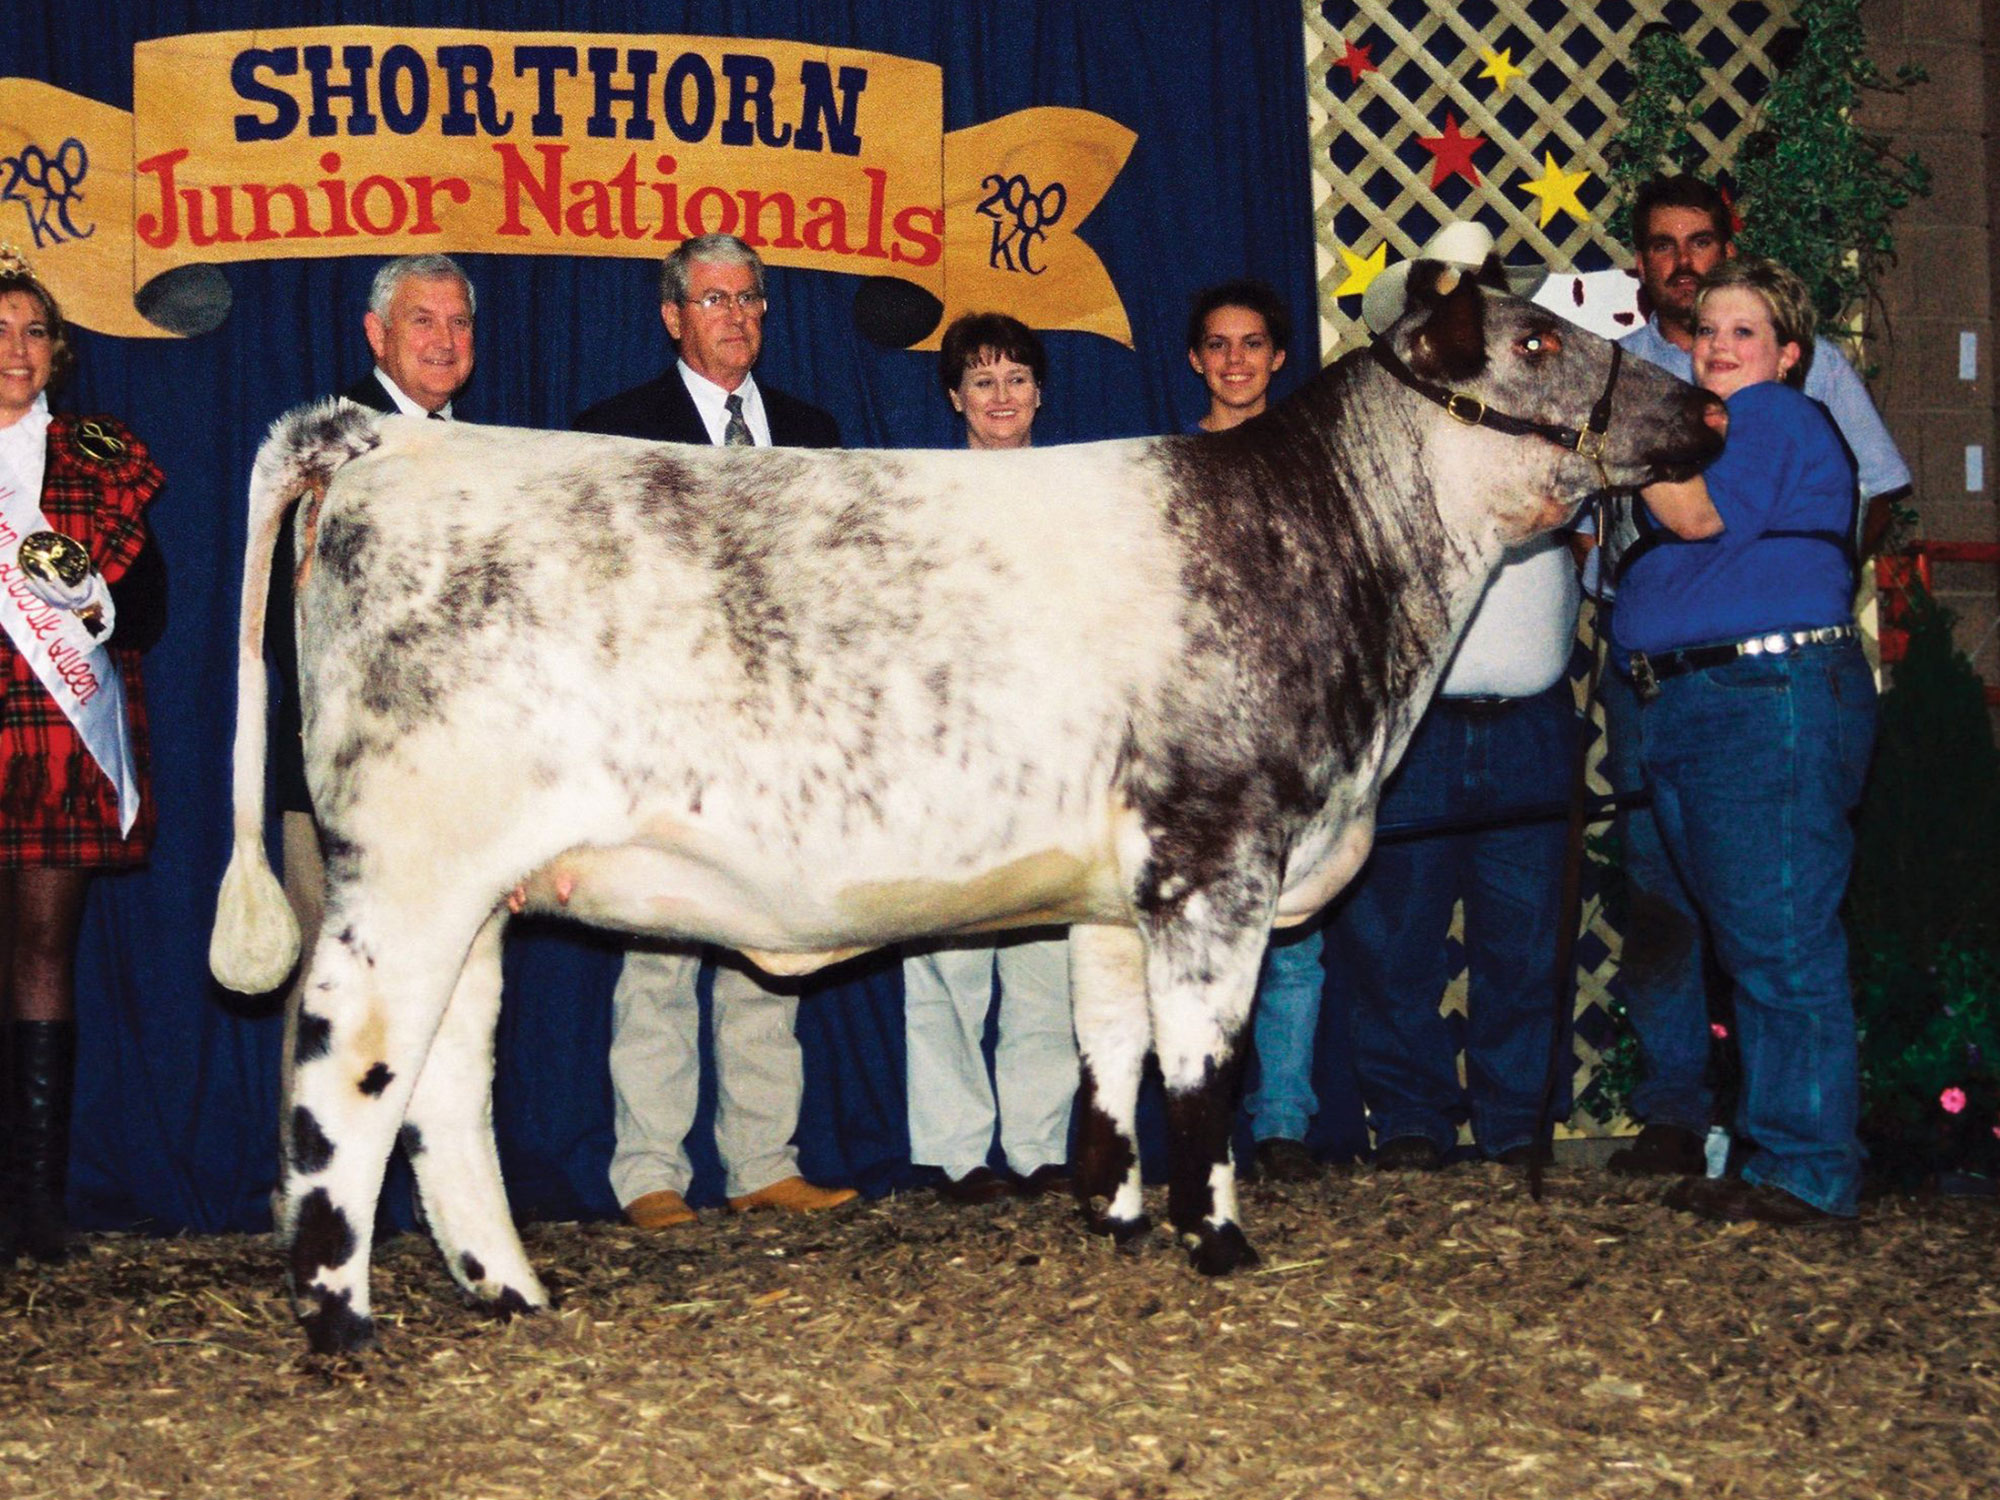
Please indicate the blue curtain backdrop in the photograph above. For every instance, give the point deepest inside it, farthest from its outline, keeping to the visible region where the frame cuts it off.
(177, 1083)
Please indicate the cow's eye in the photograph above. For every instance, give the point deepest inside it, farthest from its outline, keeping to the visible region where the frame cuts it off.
(1535, 345)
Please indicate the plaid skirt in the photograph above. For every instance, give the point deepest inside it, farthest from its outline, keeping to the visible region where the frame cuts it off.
(57, 807)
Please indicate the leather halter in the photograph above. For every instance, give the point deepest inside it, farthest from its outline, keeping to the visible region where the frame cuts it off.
(1473, 412)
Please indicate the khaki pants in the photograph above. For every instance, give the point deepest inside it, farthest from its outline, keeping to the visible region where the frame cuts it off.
(655, 1073)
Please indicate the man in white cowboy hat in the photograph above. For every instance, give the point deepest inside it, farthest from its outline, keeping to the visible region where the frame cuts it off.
(1501, 734)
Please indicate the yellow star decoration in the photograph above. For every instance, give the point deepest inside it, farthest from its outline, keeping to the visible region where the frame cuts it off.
(1557, 190)
(1500, 68)
(1362, 269)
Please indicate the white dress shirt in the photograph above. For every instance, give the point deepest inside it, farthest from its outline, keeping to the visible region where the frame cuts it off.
(711, 400)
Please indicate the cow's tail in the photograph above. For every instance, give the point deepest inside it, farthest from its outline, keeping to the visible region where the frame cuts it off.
(255, 941)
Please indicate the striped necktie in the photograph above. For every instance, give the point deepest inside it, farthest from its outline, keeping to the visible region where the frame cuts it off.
(736, 434)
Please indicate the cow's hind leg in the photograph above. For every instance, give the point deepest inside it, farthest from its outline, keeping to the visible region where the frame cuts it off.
(1201, 976)
(1107, 967)
(360, 1047)
(448, 1136)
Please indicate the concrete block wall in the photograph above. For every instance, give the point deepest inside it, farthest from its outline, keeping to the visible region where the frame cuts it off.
(1945, 287)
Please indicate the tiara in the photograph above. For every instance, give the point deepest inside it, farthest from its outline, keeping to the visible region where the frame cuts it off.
(14, 263)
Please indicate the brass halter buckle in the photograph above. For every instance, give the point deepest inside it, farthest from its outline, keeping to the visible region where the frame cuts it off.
(1467, 409)
(1591, 445)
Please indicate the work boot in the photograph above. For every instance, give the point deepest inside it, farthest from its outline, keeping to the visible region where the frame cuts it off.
(1408, 1153)
(662, 1209)
(1282, 1159)
(1662, 1151)
(44, 1068)
(794, 1195)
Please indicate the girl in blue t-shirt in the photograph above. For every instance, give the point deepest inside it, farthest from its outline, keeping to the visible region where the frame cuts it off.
(1757, 721)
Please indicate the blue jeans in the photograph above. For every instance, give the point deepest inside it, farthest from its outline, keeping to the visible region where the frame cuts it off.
(1285, 1025)
(1660, 964)
(1756, 766)
(1390, 933)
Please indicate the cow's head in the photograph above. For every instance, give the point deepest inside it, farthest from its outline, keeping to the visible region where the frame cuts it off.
(1449, 343)
(1514, 372)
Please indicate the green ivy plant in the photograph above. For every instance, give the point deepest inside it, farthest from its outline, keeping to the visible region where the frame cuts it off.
(1653, 138)
(1815, 190)
(1930, 1058)
(1925, 861)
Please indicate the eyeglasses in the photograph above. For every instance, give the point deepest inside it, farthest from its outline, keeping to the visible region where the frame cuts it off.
(714, 302)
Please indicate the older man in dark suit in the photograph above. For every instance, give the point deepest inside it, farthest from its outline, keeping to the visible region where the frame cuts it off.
(419, 328)
(712, 301)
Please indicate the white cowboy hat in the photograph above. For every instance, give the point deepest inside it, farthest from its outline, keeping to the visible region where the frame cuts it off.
(1461, 243)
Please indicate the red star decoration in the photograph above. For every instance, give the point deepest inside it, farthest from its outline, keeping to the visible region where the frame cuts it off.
(1452, 152)
(1356, 60)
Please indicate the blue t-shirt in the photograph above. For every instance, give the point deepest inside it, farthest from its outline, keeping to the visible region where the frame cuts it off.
(1782, 469)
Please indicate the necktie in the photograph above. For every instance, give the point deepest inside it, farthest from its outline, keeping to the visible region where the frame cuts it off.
(736, 434)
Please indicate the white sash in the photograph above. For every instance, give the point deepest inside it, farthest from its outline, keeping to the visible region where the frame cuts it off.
(81, 677)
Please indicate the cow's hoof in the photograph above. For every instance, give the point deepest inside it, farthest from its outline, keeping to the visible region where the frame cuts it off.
(1218, 1251)
(333, 1327)
(506, 1307)
(1126, 1234)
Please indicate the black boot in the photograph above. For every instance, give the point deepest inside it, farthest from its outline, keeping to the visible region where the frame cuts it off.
(44, 1069)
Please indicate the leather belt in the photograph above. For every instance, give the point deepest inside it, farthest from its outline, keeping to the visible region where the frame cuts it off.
(1649, 670)
(1478, 705)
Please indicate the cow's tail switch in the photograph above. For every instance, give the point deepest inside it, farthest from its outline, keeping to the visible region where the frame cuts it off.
(255, 941)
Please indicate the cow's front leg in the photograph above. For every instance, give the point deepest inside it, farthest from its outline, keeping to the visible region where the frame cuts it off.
(448, 1136)
(1107, 976)
(1201, 974)
(358, 1053)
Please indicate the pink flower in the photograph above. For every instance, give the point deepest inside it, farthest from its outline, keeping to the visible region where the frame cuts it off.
(1953, 1100)
(1717, 1030)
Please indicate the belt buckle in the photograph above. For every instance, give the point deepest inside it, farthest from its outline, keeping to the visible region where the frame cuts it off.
(1645, 681)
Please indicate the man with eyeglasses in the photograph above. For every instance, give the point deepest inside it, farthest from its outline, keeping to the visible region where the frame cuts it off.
(712, 301)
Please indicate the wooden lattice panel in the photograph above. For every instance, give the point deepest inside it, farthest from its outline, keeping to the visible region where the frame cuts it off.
(1373, 182)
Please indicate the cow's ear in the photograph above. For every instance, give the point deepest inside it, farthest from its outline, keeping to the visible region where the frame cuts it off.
(1450, 343)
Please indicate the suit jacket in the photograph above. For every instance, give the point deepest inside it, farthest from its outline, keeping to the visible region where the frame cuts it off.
(663, 411)
(368, 392)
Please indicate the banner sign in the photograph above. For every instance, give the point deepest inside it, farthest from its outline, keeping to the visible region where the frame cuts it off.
(367, 140)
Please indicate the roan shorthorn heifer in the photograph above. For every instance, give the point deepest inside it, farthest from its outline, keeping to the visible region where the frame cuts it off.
(802, 704)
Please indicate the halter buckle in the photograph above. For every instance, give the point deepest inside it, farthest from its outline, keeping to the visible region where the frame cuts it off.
(1467, 409)
(1591, 445)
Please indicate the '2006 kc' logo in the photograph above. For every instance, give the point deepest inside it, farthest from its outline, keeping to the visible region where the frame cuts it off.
(46, 186)
(1021, 217)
